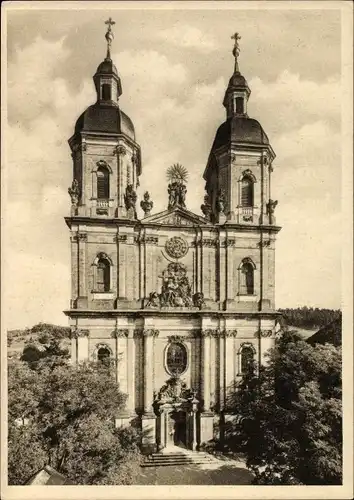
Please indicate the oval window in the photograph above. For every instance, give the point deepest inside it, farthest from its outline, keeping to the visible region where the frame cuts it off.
(176, 359)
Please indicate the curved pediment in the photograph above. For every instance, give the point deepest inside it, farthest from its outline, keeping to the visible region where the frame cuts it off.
(175, 217)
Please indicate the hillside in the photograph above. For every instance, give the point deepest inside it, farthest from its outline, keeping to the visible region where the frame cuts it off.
(38, 334)
(309, 318)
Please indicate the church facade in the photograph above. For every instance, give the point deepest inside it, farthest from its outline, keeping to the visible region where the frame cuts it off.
(182, 303)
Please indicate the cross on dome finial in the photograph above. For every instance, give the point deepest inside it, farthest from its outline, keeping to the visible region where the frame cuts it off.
(109, 36)
(236, 50)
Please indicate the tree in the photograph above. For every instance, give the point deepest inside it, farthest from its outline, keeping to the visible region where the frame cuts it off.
(71, 412)
(291, 415)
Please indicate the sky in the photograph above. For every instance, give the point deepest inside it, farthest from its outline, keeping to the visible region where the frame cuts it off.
(174, 67)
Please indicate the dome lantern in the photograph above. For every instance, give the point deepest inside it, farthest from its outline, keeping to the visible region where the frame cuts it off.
(106, 79)
(238, 91)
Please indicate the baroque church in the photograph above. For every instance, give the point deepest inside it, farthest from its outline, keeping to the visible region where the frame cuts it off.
(181, 303)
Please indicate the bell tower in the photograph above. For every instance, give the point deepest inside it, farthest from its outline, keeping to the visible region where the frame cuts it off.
(238, 172)
(106, 156)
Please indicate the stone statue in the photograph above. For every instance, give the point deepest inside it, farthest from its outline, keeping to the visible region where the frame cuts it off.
(220, 202)
(271, 209)
(130, 198)
(74, 193)
(174, 389)
(198, 300)
(154, 300)
(146, 204)
(206, 207)
(176, 195)
(176, 290)
(182, 195)
(172, 195)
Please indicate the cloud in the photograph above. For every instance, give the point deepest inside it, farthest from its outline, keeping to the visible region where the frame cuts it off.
(176, 113)
(308, 264)
(290, 101)
(38, 289)
(188, 37)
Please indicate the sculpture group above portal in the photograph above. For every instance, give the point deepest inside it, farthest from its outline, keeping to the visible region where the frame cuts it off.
(176, 290)
(177, 175)
(175, 389)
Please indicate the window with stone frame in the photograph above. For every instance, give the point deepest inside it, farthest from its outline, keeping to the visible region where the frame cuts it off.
(102, 183)
(176, 359)
(103, 277)
(104, 355)
(247, 359)
(247, 279)
(247, 192)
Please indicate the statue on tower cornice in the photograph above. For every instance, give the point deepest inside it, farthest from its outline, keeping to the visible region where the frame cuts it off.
(74, 192)
(177, 175)
(130, 198)
(271, 209)
(206, 207)
(220, 202)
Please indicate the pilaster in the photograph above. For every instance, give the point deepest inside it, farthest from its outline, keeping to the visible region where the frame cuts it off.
(131, 372)
(121, 153)
(80, 338)
(148, 336)
(82, 257)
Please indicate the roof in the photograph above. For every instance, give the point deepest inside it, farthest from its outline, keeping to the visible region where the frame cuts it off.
(105, 118)
(108, 67)
(176, 216)
(48, 476)
(240, 129)
(329, 334)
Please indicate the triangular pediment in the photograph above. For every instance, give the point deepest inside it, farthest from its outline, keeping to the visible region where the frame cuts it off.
(175, 217)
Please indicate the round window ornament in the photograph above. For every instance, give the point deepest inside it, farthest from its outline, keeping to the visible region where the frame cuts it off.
(176, 247)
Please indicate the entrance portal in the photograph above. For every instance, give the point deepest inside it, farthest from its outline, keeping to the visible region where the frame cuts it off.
(178, 427)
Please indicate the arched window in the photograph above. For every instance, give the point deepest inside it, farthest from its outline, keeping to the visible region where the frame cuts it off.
(247, 359)
(103, 354)
(102, 183)
(247, 192)
(247, 279)
(176, 358)
(103, 278)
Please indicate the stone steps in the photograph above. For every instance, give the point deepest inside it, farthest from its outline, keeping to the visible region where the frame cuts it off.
(175, 458)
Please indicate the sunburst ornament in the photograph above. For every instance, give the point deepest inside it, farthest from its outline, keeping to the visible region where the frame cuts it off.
(177, 173)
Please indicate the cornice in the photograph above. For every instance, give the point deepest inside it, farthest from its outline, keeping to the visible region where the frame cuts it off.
(141, 313)
(93, 221)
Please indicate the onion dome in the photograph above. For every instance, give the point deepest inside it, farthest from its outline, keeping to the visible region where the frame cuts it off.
(238, 127)
(105, 116)
(106, 119)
